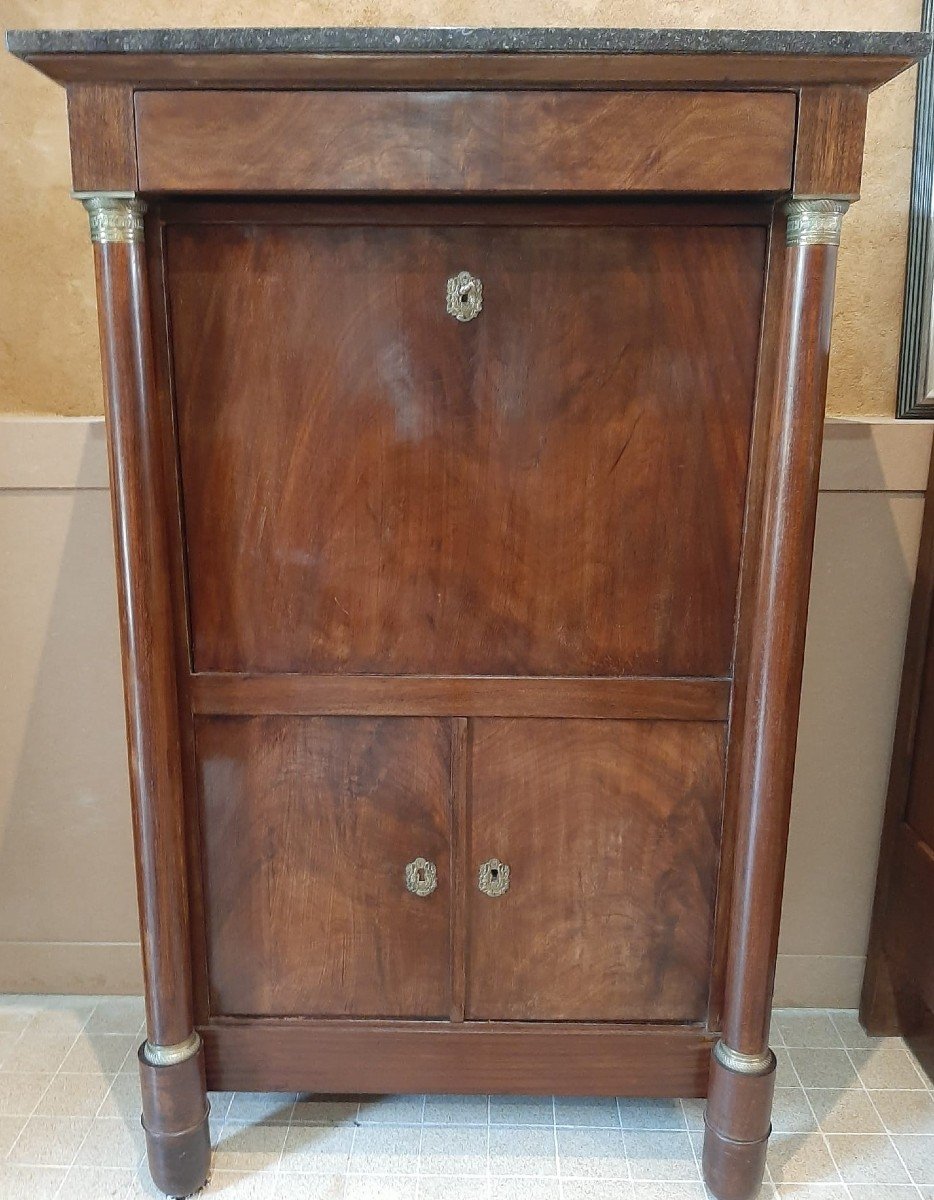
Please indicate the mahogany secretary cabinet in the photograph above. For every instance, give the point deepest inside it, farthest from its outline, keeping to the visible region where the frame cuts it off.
(465, 395)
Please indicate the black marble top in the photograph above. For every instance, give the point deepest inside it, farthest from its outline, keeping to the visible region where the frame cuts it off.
(362, 40)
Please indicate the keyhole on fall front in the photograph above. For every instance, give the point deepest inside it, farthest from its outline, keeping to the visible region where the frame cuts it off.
(463, 296)
(494, 873)
(421, 875)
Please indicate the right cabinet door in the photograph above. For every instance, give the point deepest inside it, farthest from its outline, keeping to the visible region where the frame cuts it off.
(610, 831)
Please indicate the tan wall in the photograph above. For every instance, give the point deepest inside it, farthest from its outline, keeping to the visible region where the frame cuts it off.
(865, 552)
(67, 902)
(67, 897)
(48, 347)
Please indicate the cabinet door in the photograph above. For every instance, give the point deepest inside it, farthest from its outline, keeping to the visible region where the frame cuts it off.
(610, 831)
(307, 826)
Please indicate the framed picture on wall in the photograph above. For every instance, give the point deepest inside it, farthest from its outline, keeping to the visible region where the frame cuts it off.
(916, 366)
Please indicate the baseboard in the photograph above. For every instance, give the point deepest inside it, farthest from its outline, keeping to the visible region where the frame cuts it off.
(818, 980)
(113, 968)
(875, 456)
(52, 453)
(75, 968)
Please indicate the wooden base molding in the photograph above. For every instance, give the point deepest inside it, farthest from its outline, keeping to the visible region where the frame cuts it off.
(412, 1056)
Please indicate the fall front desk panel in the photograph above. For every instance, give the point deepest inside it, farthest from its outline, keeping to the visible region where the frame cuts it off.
(551, 490)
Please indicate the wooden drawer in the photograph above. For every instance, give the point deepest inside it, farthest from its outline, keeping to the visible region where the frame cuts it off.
(494, 142)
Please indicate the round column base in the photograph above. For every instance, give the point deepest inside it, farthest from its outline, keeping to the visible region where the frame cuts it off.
(737, 1125)
(733, 1170)
(175, 1119)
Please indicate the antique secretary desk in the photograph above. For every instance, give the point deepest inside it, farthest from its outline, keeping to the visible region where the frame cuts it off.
(465, 394)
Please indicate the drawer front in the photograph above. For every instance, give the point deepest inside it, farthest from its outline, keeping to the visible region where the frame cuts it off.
(553, 487)
(490, 142)
(610, 831)
(307, 827)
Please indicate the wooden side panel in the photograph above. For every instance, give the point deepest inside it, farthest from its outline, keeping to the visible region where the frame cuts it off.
(611, 834)
(919, 811)
(340, 1056)
(465, 142)
(908, 940)
(898, 989)
(553, 488)
(307, 827)
(890, 1005)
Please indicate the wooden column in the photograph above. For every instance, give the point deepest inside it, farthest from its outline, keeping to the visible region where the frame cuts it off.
(743, 1067)
(171, 1059)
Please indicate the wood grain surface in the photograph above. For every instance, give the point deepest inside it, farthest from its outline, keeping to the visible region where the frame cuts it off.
(829, 146)
(467, 696)
(102, 132)
(308, 824)
(907, 941)
(475, 71)
(487, 1056)
(491, 142)
(147, 637)
(555, 487)
(611, 833)
(776, 632)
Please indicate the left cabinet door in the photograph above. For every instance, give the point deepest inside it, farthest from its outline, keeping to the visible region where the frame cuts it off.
(307, 827)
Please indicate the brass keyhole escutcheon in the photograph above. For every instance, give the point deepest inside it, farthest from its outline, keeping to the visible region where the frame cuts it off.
(421, 877)
(493, 877)
(464, 296)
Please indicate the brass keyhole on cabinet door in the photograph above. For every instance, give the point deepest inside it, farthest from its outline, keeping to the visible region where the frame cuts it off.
(421, 877)
(464, 296)
(493, 877)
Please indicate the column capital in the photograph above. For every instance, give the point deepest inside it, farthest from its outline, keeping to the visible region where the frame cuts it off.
(114, 216)
(815, 222)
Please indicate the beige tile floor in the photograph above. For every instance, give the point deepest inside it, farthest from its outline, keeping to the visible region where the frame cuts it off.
(854, 1120)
